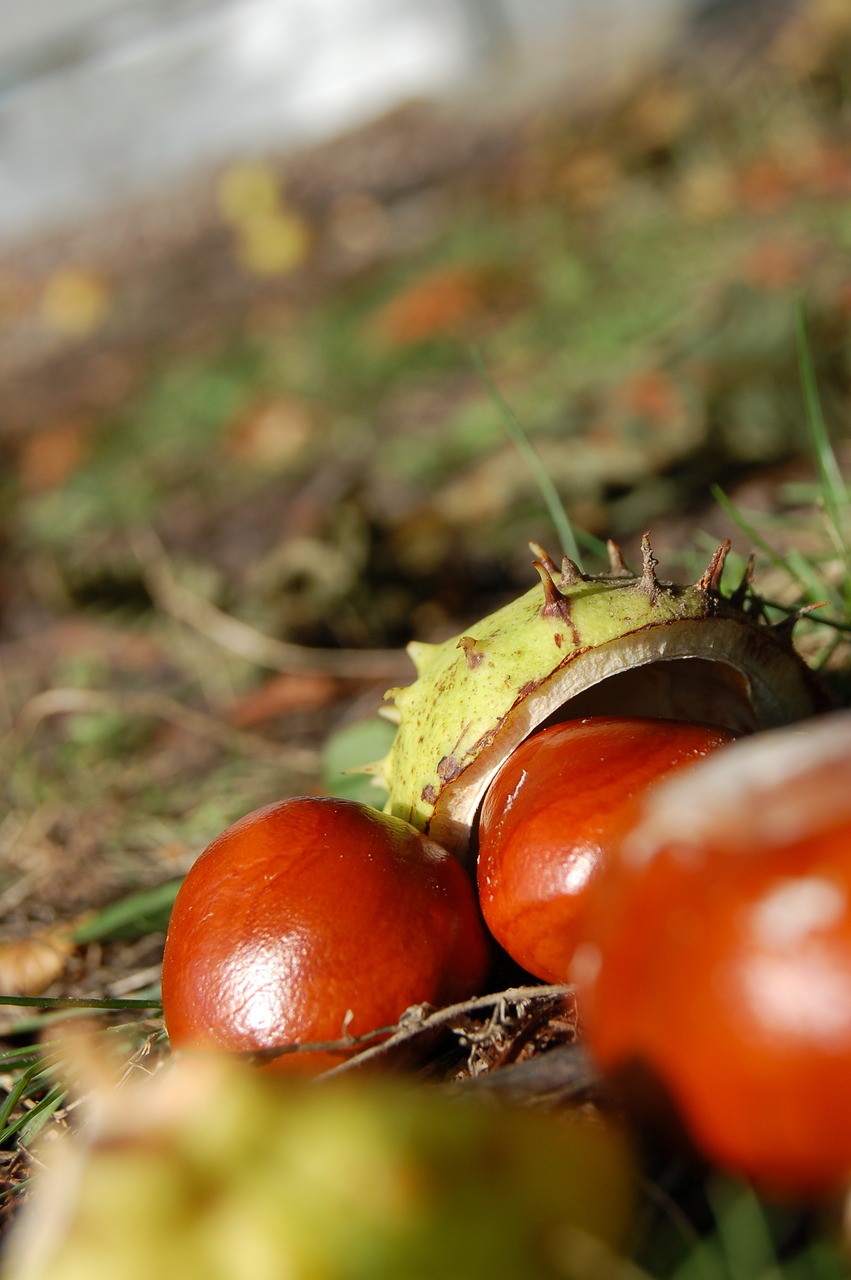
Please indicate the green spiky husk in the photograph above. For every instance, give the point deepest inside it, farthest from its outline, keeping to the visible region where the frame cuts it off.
(479, 694)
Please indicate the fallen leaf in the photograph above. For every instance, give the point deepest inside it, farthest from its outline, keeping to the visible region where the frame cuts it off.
(776, 264)
(652, 396)
(49, 457)
(270, 434)
(765, 186)
(28, 966)
(75, 302)
(435, 304)
(282, 695)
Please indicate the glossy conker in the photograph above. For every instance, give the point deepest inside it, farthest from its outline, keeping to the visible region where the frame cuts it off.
(315, 917)
(556, 808)
(717, 957)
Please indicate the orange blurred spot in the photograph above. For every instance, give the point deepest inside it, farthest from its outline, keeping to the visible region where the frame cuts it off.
(48, 458)
(832, 172)
(436, 304)
(776, 264)
(765, 186)
(652, 396)
(282, 695)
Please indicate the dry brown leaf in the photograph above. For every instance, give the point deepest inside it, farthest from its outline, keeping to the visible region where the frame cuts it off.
(282, 695)
(651, 396)
(765, 186)
(777, 263)
(435, 304)
(48, 458)
(28, 966)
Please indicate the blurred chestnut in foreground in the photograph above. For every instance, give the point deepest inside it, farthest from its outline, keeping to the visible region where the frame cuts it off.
(717, 955)
(314, 917)
(552, 815)
(211, 1170)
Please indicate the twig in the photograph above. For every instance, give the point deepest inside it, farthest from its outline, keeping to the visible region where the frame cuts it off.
(564, 1072)
(415, 1021)
(185, 605)
(62, 701)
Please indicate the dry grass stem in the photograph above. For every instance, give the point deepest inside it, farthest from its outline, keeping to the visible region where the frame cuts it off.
(186, 606)
(421, 1020)
(70, 701)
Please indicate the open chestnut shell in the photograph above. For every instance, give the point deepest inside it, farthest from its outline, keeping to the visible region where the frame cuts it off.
(582, 645)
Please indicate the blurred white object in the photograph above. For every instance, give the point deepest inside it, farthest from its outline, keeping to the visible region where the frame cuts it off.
(101, 100)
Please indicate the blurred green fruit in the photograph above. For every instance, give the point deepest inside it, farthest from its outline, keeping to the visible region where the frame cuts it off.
(215, 1171)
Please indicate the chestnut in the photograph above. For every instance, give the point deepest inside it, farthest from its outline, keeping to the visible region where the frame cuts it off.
(311, 918)
(551, 816)
(717, 956)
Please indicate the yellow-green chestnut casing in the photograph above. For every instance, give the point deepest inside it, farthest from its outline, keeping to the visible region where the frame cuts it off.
(619, 643)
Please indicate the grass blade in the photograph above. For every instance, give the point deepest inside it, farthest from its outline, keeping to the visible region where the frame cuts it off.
(142, 912)
(750, 532)
(543, 479)
(31, 1122)
(74, 1002)
(834, 491)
